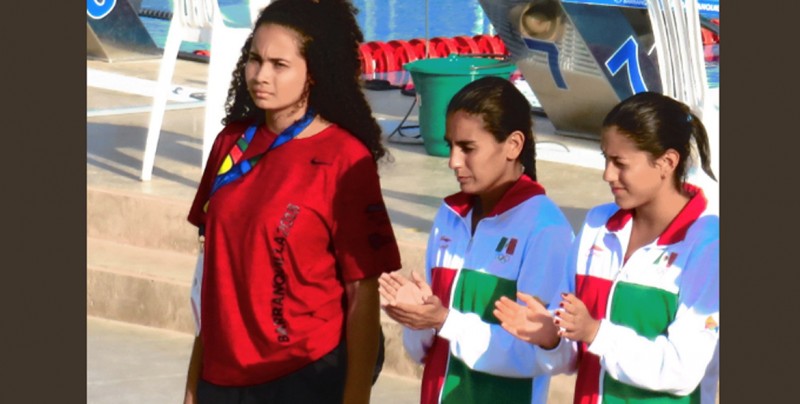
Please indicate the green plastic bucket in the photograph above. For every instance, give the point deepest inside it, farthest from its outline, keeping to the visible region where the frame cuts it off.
(436, 81)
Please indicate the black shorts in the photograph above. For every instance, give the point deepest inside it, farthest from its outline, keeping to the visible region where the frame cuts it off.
(319, 382)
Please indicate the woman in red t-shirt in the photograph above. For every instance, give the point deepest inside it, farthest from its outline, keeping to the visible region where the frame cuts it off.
(295, 228)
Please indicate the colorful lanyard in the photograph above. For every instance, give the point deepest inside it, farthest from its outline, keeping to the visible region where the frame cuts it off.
(232, 168)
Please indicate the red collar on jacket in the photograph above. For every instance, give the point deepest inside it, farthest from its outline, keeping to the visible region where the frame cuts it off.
(677, 229)
(523, 189)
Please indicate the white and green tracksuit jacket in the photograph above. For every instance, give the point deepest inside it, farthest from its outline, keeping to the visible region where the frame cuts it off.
(521, 245)
(659, 333)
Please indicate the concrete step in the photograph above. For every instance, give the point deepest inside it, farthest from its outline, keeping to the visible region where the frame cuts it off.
(138, 285)
(140, 220)
(151, 287)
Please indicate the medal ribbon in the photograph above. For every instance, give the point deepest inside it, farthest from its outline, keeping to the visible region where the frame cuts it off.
(232, 168)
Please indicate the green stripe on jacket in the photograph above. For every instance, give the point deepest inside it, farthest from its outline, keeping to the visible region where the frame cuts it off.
(476, 292)
(649, 311)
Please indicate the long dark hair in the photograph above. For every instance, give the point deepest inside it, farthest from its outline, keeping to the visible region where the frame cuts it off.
(657, 123)
(503, 109)
(330, 37)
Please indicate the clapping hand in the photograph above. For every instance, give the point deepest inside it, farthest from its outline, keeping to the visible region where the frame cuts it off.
(575, 321)
(396, 288)
(411, 302)
(531, 323)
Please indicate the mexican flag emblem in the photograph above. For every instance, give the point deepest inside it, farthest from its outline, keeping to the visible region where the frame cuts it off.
(666, 258)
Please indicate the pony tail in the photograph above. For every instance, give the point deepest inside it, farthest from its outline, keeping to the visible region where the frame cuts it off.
(701, 139)
(528, 159)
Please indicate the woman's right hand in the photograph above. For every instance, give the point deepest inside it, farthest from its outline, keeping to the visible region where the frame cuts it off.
(575, 321)
(531, 323)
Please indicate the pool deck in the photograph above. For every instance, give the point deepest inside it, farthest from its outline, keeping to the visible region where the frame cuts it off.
(141, 251)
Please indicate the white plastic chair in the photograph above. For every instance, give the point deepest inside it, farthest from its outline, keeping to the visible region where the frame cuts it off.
(198, 21)
(676, 26)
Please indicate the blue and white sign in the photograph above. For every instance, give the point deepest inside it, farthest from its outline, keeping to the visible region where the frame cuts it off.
(627, 55)
(552, 58)
(99, 9)
(708, 8)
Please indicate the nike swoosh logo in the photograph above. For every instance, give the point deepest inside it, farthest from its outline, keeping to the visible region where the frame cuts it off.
(316, 162)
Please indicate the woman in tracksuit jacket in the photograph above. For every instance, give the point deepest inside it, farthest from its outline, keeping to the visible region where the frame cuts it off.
(499, 235)
(643, 322)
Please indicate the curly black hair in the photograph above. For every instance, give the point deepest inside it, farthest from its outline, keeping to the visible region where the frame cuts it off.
(330, 38)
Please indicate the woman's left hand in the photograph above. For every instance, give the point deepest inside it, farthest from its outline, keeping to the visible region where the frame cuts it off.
(423, 311)
(396, 288)
(531, 323)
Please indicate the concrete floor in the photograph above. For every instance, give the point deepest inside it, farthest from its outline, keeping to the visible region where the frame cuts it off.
(129, 363)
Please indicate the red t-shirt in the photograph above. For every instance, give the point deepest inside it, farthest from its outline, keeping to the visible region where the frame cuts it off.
(280, 244)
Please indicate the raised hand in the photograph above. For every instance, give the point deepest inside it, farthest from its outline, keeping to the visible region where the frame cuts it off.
(430, 314)
(395, 288)
(421, 284)
(531, 323)
(575, 321)
(411, 302)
